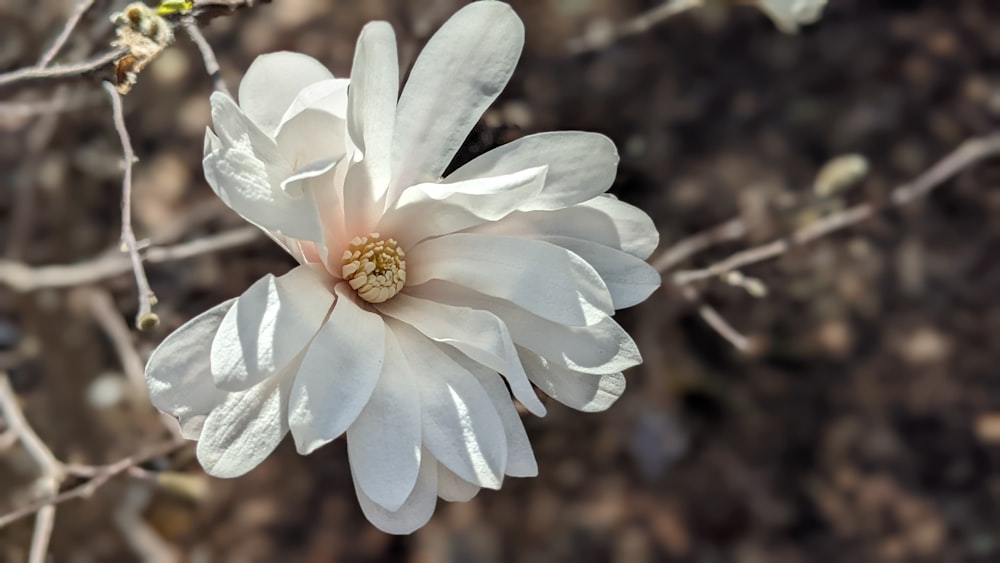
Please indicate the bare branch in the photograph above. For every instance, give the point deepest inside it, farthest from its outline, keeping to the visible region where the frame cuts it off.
(601, 39)
(144, 318)
(98, 477)
(715, 320)
(207, 54)
(966, 155)
(23, 278)
(61, 71)
(36, 448)
(81, 8)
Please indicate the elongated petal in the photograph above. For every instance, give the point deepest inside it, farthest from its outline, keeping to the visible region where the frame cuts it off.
(246, 172)
(338, 374)
(520, 458)
(270, 324)
(601, 347)
(242, 431)
(460, 426)
(581, 166)
(417, 509)
(581, 391)
(478, 334)
(312, 135)
(603, 219)
(457, 76)
(630, 280)
(371, 111)
(453, 488)
(177, 374)
(430, 210)
(551, 281)
(273, 81)
(384, 442)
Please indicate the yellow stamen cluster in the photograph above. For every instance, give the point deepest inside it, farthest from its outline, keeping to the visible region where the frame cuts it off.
(374, 267)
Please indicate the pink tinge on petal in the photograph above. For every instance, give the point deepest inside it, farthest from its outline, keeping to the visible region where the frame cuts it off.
(310, 253)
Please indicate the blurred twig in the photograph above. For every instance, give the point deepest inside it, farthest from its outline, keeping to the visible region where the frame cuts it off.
(81, 8)
(23, 278)
(598, 38)
(713, 319)
(97, 477)
(53, 471)
(207, 54)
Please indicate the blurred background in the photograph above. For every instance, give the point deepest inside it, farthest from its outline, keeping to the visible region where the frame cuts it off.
(863, 426)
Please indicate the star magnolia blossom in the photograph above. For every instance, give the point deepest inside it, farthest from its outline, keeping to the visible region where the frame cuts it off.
(419, 300)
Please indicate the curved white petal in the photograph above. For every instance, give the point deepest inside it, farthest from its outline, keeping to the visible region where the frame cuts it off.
(520, 458)
(478, 334)
(246, 171)
(268, 327)
(272, 82)
(582, 391)
(338, 374)
(417, 509)
(551, 281)
(326, 95)
(312, 135)
(371, 110)
(457, 76)
(245, 428)
(460, 426)
(177, 373)
(453, 488)
(581, 166)
(384, 442)
(603, 219)
(630, 280)
(428, 210)
(601, 347)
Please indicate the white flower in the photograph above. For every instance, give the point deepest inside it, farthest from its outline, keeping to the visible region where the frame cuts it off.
(415, 292)
(788, 15)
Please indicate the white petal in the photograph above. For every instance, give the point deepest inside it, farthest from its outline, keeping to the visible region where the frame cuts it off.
(453, 488)
(603, 219)
(520, 458)
(177, 373)
(270, 324)
(247, 170)
(581, 166)
(551, 281)
(581, 391)
(273, 81)
(312, 135)
(242, 431)
(371, 108)
(630, 280)
(428, 210)
(417, 509)
(478, 334)
(326, 95)
(457, 76)
(460, 426)
(384, 442)
(338, 374)
(601, 347)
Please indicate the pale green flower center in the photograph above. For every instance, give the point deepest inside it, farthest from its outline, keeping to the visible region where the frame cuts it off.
(375, 268)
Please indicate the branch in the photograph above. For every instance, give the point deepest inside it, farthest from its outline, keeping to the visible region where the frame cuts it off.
(969, 153)
(601, 39)
(23, 278)
(713, 319)
(98, 477)
(81, 8)
(207, 54)
(61, 71)
(144, 318)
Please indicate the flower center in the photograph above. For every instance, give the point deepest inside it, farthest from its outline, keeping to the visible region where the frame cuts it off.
(374, 267)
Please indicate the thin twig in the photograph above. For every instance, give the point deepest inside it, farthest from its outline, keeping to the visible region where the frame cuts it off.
(45, 520)
(144, 318)
(207, 54)
(36, 448)
(99, 476)
(23, 278)
(715, 320)
(106, 314)
(966, 155)
(634, 26)
(81, 8)
(61, 71)
(731, 230)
